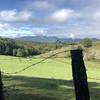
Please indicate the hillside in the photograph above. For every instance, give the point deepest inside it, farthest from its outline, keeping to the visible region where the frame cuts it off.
(91, 53)
(62, 52)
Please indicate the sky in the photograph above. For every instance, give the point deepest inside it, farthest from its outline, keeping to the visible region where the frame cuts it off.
(60, 18)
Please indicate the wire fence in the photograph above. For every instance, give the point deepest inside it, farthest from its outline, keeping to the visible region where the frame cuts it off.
(51, 57)
(43, 60)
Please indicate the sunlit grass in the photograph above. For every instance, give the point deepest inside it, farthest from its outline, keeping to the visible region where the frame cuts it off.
(49, 79)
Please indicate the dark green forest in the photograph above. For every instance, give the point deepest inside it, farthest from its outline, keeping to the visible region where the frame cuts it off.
(24, 48)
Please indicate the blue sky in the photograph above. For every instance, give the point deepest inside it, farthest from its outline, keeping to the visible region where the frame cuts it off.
(59, 18)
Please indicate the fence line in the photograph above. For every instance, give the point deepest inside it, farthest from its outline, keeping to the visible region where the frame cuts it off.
(45, 58)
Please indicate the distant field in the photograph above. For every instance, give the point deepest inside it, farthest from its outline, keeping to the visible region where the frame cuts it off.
(49, 80)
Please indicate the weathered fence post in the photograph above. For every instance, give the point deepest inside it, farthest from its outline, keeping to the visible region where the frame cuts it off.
(79, 75)
(1, 88)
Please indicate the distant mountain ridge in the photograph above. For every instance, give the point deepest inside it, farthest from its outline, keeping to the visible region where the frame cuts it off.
(49, 39)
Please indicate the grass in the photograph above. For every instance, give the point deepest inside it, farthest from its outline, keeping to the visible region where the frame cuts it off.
(49, 80)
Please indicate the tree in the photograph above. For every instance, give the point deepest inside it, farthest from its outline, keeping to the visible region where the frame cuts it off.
(20, 52)
(7, 50)
(87, 42)
(14, 52)
(27, 51)
(0, 49)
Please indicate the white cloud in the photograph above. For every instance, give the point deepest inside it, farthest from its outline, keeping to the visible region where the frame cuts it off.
(4, 26)
(62, 15)
(39, 30)
(53, 13)
(12, 31)
(81, 31)
(91, 12)
(40, 6)
(96, 16)
(14, 15)
(90, 15)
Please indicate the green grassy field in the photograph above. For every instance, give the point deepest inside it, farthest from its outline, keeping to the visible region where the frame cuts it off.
(49, 80)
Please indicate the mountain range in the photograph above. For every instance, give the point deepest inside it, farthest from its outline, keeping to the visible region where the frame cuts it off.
(48, 39)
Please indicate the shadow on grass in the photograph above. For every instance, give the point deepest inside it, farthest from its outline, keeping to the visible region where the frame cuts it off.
(33, 88)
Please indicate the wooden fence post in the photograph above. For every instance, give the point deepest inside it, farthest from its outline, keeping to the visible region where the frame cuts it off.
(1, 88)
(79, 75)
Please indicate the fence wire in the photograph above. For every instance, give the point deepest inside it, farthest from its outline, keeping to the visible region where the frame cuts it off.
(44, 59)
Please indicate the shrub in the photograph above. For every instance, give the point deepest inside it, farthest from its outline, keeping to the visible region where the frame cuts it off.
(87, 42)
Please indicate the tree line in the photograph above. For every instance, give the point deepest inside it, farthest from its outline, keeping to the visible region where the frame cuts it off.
(22, 48)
